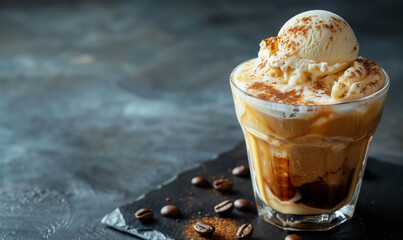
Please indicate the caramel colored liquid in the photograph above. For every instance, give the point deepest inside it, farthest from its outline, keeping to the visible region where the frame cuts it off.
(307, 163)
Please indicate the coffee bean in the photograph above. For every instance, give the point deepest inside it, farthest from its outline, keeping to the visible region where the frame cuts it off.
(243, 205)
(241, 171)
(144, 214)
(293, 237)
(222, 185)
(204, 229)
(170, 211)
(200, 182)
(245, 231)
(224, 207)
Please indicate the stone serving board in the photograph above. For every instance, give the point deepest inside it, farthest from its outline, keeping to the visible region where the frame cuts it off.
(378, 215)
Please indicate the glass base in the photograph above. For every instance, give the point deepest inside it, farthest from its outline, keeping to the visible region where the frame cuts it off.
(316, 222)
(320, 222)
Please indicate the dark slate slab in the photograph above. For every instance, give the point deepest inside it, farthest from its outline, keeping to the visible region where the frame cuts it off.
(378, 215)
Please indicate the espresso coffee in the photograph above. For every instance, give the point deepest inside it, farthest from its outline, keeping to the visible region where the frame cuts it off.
(307, 159)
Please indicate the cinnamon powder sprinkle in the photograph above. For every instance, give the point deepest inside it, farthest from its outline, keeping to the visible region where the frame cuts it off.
(369, 65)
(319, 85)
(225, 229)
(371, 68)
(272, 94)
(272, 44)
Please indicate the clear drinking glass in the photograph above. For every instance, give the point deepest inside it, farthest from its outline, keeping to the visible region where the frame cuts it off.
(307, 162)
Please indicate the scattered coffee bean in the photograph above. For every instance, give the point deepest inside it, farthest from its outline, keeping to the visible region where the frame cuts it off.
(204, 229)
(241, 171)
(224, 208)
(200, 182)
(170, 211)
(243, 205)
(293, 237)
(245, 231)
(144, 214)
(223, 185)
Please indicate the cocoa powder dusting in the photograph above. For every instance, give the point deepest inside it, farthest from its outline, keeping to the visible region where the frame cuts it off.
(225, 229)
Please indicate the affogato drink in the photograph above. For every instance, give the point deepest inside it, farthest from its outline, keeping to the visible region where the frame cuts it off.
(308, 107)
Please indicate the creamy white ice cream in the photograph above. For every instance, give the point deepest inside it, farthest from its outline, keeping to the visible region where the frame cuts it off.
(313, 60)
(319, 36)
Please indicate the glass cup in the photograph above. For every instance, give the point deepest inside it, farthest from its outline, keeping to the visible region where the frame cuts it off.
(307, 162)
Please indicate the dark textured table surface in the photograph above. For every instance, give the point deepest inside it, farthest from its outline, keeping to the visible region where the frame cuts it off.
(377, 216)
(102, 101)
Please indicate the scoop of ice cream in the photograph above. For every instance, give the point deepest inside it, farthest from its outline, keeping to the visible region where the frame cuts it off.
(313, 40)
(313, 60)
(320, 36)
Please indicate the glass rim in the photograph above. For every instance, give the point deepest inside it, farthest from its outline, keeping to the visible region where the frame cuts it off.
(382, 90)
